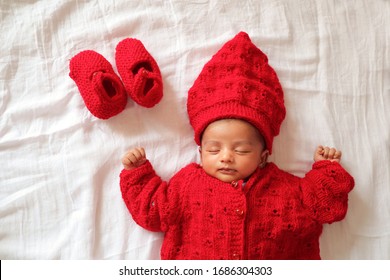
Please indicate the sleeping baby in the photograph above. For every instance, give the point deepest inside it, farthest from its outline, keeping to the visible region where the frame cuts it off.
(235, 204)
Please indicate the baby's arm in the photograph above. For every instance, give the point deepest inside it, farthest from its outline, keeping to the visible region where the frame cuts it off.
(325, 188)
(326, 153)
(134, 158)
(143, 191)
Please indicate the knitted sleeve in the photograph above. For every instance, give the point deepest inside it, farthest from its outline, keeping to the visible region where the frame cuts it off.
(325, 191)
(145, 195)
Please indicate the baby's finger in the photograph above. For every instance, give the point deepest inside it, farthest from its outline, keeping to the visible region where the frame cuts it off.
(142, 152)
(136, 154)
(332, 152)
(325, 153)
(320, 150)
(125, 160)
(337, 155)
(131, 158)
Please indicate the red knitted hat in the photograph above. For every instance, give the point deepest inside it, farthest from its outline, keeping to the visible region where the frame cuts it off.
(237, 83)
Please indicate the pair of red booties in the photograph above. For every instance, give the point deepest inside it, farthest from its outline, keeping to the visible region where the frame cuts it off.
(103, 92)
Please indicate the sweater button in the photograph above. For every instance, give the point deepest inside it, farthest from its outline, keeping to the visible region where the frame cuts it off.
(236, 256)
(240, 212)
(235, 184)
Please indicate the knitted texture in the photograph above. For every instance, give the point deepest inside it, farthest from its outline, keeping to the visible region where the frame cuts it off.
(139, 72)
(239, 83)
(274, 215)
(101, 89)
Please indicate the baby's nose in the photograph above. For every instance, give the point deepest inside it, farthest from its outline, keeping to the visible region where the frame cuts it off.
(226, 156)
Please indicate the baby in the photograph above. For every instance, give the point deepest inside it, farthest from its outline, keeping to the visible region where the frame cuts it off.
(235, 204)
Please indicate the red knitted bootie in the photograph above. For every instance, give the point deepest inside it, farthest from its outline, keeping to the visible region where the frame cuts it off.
(101, 89)
(139, 72)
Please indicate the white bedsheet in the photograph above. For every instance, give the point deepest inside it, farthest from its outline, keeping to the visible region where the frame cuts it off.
(59, 178)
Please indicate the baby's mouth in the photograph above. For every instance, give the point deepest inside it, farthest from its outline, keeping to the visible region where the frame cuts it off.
(226, 170)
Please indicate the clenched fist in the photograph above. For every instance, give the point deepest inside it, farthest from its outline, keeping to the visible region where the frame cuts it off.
(327, 153)
(134, 158)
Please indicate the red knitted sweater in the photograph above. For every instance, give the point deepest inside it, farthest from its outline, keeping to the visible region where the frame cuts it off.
(274, 215)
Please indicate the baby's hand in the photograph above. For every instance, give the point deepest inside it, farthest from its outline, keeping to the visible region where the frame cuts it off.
(326, 153)
(134, 158)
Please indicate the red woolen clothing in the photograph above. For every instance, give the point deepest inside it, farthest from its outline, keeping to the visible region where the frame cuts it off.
(274, 215)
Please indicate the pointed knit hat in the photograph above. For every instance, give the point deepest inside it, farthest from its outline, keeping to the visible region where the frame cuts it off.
(237, 83)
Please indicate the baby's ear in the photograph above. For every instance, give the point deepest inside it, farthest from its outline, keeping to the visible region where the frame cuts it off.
(264, 155)
(200, 154)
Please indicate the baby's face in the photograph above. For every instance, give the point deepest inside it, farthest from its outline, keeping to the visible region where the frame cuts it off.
(231, 150)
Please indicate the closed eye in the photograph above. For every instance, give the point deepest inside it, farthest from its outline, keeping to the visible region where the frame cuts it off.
(242, 152)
